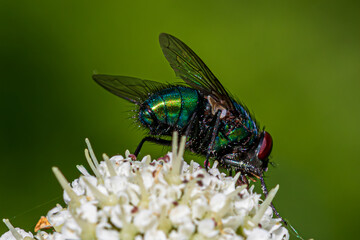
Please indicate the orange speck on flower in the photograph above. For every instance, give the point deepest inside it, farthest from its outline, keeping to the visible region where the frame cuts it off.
(43, 223)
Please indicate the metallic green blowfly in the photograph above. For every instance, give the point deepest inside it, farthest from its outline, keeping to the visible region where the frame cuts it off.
(215, 124)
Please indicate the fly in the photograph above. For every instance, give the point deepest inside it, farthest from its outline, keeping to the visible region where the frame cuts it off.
(216, 125)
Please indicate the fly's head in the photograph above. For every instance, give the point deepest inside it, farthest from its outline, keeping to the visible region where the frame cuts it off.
(253, 161)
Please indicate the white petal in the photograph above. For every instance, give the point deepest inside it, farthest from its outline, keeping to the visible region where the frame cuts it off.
(123, 169)
(117, 158)
(58, 216)
(115, 216)
(218, 202)
(104, 233)
(78, 187)
(280, 234)
(148, 179)
(233, 222)
(199, 207)
(180, 214)
(229, 234)
(117, 184)
(154, 235)
(257, 234)
(273, 225)
(207, 228)
(145, 220)
(71, 229)
(138, 237)
(88, 212)
(186, 229)
(8, 235)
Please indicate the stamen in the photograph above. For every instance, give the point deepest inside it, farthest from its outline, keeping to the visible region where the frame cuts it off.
(187, 191)
(174, 145)
(191, 167)
(220, 213)
(91, 164)
(216, 163)
(236, 191)
(164, 221)
(144, 194)
(88, 230)
(92, 154)
(12, 230)
(177, 154)
(147, 160)
(102, 198)
(83, 170)
(75, 199)
(127, 153)
(256, 219)
(109, 165)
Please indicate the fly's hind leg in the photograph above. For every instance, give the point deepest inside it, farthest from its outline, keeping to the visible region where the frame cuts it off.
(191, 124)
(163, 141)
(151, 139)
(214, 133)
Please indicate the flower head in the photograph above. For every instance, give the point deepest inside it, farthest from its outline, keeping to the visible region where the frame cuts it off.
(157, 199)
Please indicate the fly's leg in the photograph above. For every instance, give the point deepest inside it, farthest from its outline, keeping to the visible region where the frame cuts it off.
(162, 141)
(214, 133)
(151, 139)
(243, 180)
(188, 128)
(265, 191)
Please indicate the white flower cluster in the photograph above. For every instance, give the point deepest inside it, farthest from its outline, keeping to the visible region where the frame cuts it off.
(154, 200)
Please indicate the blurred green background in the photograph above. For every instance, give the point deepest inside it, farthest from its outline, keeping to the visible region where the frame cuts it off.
(296, 64)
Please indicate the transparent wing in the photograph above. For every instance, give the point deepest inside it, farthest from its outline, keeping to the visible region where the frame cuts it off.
(132, 89)
(188, 66)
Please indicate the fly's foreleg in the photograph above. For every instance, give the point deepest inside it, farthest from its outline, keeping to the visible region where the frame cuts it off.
(265, 191)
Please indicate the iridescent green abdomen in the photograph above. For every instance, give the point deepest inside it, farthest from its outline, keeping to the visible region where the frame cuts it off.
(173, 107)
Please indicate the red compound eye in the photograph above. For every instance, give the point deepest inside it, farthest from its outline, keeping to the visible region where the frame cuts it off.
(266, 147)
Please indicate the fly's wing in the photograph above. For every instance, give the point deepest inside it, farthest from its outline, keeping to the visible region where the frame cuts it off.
(132, 89)
(188, 66)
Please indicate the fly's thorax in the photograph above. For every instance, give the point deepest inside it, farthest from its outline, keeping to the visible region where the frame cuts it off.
(236, 130)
